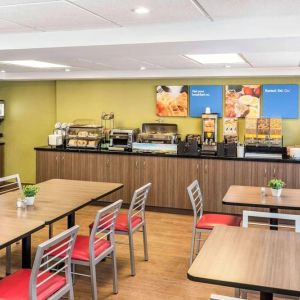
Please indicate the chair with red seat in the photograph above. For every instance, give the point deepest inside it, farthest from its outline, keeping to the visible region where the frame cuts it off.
(39, 283)
(90, 250)
(128, 224)
(205, 222)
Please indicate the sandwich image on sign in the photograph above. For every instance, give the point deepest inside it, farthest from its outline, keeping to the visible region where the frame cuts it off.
(172, 101)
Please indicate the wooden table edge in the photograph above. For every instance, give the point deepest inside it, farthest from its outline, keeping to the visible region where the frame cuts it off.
(263, 289)
(4, 245)
(261, 205)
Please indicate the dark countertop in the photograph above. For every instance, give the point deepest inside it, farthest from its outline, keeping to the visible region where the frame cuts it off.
(63, 149)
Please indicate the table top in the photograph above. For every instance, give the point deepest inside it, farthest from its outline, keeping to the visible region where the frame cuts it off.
(56, 199)
(252, 196)
(12, 229)
(250, 258)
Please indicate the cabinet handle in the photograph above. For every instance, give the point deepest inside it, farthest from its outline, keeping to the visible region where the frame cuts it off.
(136, 163)
(107, 162)
(265, 172)
(274, 171)
(144, 163)
(63, 157)
(197, 166)
(56, 157)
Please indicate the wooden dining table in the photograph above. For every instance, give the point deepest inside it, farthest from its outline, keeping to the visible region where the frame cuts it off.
(250, 258)
(253, 196)
(57, 198)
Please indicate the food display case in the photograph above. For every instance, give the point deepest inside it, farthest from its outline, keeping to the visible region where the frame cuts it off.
(209, 134)
(263, 138)
(84, 136)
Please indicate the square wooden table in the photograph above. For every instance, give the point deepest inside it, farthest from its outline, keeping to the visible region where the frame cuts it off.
(250, 258)
(252, 196)
(57, 198)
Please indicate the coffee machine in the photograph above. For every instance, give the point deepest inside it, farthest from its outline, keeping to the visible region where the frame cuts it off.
(209, 133)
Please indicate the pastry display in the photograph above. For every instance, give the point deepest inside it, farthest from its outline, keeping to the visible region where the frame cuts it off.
(92, 135)
(92, 144)
(82, 143)
(242, 101)
(172, 101)
(83, 134)
(263, 126)
(230, 126)
(276, 128)
(72, 143)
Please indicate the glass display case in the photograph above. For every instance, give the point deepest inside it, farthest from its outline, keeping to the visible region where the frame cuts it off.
(84, 136)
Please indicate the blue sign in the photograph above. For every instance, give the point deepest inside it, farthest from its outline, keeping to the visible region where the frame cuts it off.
(281, 101)
(202, 96)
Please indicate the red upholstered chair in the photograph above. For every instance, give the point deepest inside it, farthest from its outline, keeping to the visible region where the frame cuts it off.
(205, 222)
(39, 283)
(128, 224)
(90, 250)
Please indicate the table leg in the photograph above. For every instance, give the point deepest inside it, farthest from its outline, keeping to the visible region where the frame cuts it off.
(71, 220)
(274, 221)
(26, 252)
(266, 296)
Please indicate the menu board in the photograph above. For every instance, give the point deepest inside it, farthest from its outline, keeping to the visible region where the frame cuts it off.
(242, 101)
(281, 100)
(202, 96)
(230, 126)
(172, 101)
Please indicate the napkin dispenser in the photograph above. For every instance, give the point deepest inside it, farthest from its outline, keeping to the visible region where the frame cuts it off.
(55, 140)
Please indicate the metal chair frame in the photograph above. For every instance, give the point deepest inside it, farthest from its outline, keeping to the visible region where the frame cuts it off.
(103, 228)
(16, 182)
(137, 208)
(196, 199)
(221, 297)
(43, 263)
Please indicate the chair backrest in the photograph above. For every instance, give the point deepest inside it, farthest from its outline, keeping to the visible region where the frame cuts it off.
(138, 203)
(268, 215)
(196, 199)
(62, 245)
(104, 226)
(10, 183)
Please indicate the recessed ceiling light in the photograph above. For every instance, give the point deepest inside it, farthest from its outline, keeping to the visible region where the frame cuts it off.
(142, 68)
(141, 10)
(33, 64)
(67, 70)
(225, 58)
(228, 66)
(3, 71)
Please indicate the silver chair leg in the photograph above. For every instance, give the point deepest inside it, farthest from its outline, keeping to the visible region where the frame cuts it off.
(146, 256)
(8, 260)
(192, 247)
(131, 250)
(93, 281)
(71, 293)
(73, 271)
(115, 274)
(237, 293)
(198, 237)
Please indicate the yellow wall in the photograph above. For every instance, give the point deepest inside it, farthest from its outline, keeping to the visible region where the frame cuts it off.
(29, 117)
(33, 107)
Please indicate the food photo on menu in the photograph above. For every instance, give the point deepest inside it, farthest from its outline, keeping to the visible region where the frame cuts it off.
(242, 101)
(172, 101)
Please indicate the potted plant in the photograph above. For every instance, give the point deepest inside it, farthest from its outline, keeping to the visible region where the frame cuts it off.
(29, 192)
(276, 185)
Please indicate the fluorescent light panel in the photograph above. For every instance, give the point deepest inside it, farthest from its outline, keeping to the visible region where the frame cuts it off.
(33, 64)
(225, 58)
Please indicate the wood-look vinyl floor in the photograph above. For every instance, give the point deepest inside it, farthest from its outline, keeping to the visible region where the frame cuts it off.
(162, 277)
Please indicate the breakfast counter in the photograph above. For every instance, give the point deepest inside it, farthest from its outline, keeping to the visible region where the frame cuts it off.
(169, 174)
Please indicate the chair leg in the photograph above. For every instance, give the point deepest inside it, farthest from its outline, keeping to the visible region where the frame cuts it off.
(93, 281)
(115, 274)
(71, 293)
(50, 231)
(146, 256)
(237, 293)
(192, 247)
(8, 260)
(198, 236)
(131, 250)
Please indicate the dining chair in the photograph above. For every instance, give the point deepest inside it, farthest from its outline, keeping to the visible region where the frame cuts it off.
(128, 224)
(9, 184)
(267, 215)
(39, 282)
(90, 250)
(205, 222)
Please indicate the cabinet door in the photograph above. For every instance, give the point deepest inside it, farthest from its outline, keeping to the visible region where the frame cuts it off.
(47, 165)
(261, 173)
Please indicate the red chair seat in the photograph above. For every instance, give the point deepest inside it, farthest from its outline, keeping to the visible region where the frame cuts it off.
(121, 222)
(208, 221)
(81, 248)
(16, 285)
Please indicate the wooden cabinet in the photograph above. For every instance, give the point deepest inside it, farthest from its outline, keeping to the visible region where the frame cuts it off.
(169, 176)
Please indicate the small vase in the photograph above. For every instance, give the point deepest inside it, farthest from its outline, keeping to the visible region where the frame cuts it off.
(29, 200)
(276, 193)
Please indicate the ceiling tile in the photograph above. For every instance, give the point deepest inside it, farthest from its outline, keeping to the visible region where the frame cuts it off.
(55, 15)
(161, 11)
(9, 27)
(17, 2)
(275, 59)
(233, 9)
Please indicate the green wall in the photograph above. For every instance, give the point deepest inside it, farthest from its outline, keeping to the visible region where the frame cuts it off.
(33, 107)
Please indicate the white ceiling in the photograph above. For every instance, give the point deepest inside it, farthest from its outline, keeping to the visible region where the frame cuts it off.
(105, 39)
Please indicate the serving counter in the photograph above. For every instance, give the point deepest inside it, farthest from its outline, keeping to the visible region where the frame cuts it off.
(169, 174)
